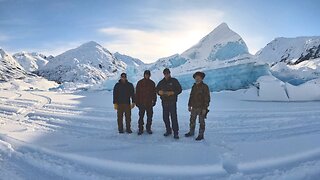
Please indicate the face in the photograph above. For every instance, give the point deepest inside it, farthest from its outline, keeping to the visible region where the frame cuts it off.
(166, 75)
(147, 76)
(123, 78)
(198, 79)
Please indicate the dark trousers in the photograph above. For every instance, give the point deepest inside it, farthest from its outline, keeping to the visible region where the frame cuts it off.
(142, 110)
(126, 110)
(170, 109)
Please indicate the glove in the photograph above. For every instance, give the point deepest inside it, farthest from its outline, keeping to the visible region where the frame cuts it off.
(204, 111)
(161, 93)
(133, 105)
(189, 108)
(170, 93)
(115, 106)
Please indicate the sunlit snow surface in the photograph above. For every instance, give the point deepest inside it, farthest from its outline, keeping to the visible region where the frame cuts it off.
(55, 135)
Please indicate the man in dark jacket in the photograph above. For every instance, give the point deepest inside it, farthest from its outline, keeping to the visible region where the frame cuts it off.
(146, 98)
(169, 88)
(198, 105)
(123, 91)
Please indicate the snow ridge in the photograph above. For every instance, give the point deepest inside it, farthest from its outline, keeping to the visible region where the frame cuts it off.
(10, 68)
(89, 63)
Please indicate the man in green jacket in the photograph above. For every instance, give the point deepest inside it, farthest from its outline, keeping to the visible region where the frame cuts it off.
(198, 105)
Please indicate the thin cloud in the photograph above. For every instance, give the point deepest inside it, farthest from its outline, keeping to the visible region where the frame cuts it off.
(4, 37)
(56, 48)
(255, 43)
(172, 34)
(52, 48)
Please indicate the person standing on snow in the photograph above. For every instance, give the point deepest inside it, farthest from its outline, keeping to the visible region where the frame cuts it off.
(146, 98)
(198, 105)
(123, 91)
(168, 89)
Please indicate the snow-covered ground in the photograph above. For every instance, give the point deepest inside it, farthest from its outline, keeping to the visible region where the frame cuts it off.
(56, 135)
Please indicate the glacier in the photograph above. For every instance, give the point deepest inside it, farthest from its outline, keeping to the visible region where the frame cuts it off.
(222, 55)
(228, 78)
(168, 62)
(228, 51)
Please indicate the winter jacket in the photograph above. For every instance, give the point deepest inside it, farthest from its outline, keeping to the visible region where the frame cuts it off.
(146, 93)
(172, 84)
(122, 92)
(199, 96)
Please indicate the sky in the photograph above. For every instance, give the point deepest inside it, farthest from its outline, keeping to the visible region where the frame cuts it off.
(149, 29)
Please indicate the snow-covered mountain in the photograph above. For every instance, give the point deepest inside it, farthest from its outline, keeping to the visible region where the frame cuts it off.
(130, 61)
(10, 68)
(222, 55)
(293, 60)
(220, 44)
(31, 61)
(290, 50)
(89, 63)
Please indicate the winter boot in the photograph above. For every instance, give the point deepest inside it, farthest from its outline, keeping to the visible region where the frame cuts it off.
(189, 134)
(129, 131)
(176, 136)
(149, 131)
(200, 137)
(121, 131)
(168, 133)
(140, 132)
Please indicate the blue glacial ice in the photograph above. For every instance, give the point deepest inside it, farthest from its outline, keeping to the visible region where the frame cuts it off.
(228, 51)
(228, 78)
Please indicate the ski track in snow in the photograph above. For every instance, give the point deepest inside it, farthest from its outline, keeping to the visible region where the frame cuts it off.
(33, 112)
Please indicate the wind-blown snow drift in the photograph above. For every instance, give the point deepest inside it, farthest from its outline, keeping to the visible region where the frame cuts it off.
(269, 88)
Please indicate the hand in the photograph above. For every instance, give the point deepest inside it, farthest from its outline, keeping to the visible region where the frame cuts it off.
(115, 106)
(189, 108)
(161, 93)
(153, 103)
(204, 111)
(170, 93)
(133, 105)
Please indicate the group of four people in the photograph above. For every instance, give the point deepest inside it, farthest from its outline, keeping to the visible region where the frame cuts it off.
(145, 97)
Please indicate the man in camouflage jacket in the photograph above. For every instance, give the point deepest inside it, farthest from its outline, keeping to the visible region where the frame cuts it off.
(198, 105)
